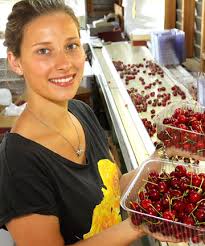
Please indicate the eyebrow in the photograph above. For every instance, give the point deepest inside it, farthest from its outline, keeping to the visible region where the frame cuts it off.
(47, 42)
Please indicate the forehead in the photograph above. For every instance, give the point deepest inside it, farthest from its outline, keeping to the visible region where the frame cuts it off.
(57, 23)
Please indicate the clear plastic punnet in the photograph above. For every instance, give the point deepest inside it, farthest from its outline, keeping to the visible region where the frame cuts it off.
(181, 128)
(167, 200)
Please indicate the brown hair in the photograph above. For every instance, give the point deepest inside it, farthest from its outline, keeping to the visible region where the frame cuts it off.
(24, 12)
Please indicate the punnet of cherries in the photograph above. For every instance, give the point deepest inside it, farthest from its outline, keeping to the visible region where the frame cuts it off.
(172, 204)
(184, 130)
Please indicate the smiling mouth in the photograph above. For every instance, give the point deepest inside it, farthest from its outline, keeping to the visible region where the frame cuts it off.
(62, 80)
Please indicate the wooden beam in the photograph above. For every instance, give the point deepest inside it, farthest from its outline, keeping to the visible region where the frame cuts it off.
(188, 20)
(203, 37)
(90, 7)
(170, 14)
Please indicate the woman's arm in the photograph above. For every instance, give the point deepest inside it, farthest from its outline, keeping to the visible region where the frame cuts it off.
(122, 234)
(41, 230)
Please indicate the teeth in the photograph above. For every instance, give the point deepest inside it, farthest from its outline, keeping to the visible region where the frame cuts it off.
(65, 80)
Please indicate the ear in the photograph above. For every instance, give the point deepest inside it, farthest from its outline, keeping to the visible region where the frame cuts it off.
(14, 63)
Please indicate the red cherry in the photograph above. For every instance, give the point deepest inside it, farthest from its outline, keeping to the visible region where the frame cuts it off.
(194, 197)
(196, 181)
(188, 220)
(158, 206)
(182, 119)
(200, 214)
(142, 195)
(146, 203)
(154, 194)
(181, 170)
(135, 206)
(178, 205)
(184, 182)
(163, 187)
(175, 183)
(195, 239)
(136, 220)
(151, 211)
(189, 207)
(169, 215)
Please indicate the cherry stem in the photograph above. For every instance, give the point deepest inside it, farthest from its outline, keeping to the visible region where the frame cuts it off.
(200, 201)
(200, 189)
(149, 182)
(156, 210)
(179, 197)
(152, 222)
(189, 141)
(168, 134)
(196, 187)
(170, 203)
(200, 150)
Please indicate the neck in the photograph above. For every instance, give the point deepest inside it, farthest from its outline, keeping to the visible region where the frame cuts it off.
(50, 112)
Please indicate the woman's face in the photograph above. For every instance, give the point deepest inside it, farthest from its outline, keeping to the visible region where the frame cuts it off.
(52, 58)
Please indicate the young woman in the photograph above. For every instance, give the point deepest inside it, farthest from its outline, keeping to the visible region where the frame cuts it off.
(58, 183)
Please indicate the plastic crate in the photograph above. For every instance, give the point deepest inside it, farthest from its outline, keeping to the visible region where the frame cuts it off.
(157, 225)
(182, 142)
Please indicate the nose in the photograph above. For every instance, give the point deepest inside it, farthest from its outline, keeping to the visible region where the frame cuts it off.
(62, 62)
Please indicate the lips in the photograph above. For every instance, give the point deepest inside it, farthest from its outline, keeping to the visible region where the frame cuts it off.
(62, 81)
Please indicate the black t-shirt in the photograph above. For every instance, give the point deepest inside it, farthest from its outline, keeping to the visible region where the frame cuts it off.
(34, 179)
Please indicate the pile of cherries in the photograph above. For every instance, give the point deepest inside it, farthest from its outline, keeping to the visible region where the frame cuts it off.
(173, 197)
(190, 133)
(149, 92)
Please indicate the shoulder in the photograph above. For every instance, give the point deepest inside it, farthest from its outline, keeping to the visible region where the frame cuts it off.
(18, 154)
(80, 107)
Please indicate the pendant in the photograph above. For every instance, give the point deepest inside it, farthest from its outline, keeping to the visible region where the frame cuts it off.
(79, 152)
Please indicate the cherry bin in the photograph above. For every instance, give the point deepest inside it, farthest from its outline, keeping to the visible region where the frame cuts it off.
(185, 225)
(181, 128)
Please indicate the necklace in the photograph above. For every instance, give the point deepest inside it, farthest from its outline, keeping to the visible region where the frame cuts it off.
(77, 151)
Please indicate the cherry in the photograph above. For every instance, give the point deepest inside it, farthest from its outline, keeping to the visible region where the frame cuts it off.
(196, 181)
(158, 206)
(163, 187)
(175, 183)
(184, 183)
(188, 220)
(194, 197)
(200, 214)
(195, 239)
(154, 175)
(150, 186)
(146, 203)
(181, 170)
(142, 195)
(151, 211)
(154, 194)
(169, 215)
(178, 205)
(135, 206)
(136, 220)
(182, 119)
(189, 207)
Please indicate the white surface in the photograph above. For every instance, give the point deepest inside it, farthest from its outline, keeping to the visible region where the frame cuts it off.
(144, 16)
(5, 238)
(5, 97)
(87, 69)
(13, 110)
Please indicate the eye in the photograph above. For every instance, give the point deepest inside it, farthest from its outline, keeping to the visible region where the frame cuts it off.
(43, 51)
(72, 46)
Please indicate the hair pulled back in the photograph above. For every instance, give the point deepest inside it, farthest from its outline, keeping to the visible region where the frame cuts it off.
(24, 12)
